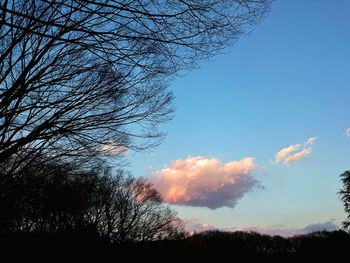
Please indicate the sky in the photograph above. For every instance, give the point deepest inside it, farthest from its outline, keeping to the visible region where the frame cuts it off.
(259, 137)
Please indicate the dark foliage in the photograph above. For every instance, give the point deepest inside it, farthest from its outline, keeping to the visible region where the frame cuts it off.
(56, 197)
(231, 246)
(207, 246)
(56, 206)
(345, 196)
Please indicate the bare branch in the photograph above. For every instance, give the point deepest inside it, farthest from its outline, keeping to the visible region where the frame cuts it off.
(76, 75)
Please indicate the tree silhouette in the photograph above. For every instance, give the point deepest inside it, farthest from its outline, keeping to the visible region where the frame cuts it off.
(84, 78)
(55, 196)
(345, 196)
(46, 197)
(130, 209)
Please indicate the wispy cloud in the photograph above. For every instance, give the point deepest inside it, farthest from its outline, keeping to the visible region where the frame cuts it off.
(310, 141)
(113, 149)
(205, 182)
(347, 132)
(295, 152)
(297, 156)
(285, 152)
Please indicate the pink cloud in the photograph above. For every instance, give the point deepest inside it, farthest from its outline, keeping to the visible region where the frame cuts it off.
(295, 152)
(297, 156)
(205, 182)
(284, 231)
(284, 152)
(194, 225)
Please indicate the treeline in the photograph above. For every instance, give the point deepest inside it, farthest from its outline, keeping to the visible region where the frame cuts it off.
(53, 204)
(231, 246)
(50, 199)
(205, 246)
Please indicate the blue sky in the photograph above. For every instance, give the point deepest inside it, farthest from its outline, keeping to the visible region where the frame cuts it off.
(287, 81)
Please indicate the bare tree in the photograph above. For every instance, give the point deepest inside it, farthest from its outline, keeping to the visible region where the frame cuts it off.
(55, 197)
(80, 78)
(46, 197)
(130, 209)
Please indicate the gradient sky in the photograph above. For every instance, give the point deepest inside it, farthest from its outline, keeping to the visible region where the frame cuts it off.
(285, 82)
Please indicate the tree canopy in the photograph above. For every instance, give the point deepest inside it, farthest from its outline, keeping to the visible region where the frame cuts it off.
(56, 197)
(83, 78)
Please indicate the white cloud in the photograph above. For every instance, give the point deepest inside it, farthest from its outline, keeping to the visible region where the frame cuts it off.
(193, 225)
(310, 141)
(205, 182)
(347, 132)
(295, 152)
(113, 149)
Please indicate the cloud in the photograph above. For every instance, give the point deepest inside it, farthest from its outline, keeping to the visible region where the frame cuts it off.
(347, 132)
(194, 225)
(295, 152)
(310, 141)
(281, 230)
(328, 226)
(285, 152)
(205, 182)
(113, 149)
(278, 230)
(297, 156)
